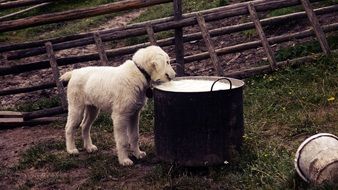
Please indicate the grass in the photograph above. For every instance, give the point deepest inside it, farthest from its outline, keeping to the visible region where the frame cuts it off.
(306, 48)
(38, 104)
(57, 29)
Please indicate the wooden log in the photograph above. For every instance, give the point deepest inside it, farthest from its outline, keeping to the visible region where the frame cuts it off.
(210, 15)
(10, 114)
(316, 26)
(22, 11)
(21, 3)
(7, 122)
(179, 45)
(77, 14)
(33, 122)
(209, 44)
(56, 75)
(100, 49)
(151, 34)
(262, 36)
(16, 69)
(76, 43)
(29, 89)
(8, 118)
(43, 113)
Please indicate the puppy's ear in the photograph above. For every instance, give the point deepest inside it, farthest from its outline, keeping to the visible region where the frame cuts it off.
(155, 61)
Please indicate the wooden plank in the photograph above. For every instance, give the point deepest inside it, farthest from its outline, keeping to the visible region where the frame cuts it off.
(33, 122)
(100, 49)
(262, 36)
(316, 26)
(179, 45)
(10, 114)
(11, 120)
(151, 34)
(56, 75)
(209, 44)
(77, 14)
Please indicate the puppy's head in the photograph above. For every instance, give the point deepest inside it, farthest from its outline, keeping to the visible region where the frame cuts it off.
(156, 62)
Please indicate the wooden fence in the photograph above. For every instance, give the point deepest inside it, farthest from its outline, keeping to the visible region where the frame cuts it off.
(15, 52)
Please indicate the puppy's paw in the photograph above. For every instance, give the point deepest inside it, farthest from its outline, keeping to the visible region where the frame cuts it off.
(140, 154)
(91, 148)
(73, 151)
(126, 162)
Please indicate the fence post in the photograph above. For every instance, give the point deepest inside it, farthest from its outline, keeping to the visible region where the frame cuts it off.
(56, 74)
(179, 49)
(151, 34)
(209, 44)
(262, 36)
(316, 26)
(100, 49)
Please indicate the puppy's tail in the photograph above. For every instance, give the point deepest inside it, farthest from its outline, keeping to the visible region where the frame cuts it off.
(66, 76)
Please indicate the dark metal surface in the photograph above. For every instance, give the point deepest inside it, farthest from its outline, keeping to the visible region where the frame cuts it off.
(198, 129)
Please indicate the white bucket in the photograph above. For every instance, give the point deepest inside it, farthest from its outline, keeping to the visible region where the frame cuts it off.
(317, 159)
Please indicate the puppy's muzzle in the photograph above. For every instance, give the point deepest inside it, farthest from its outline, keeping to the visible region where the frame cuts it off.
(168, 77)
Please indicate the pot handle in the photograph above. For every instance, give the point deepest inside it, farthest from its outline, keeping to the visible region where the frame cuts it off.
(223, 78)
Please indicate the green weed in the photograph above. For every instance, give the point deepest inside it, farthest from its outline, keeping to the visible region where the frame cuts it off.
(46, 155)
(305, 49)
(38, 104)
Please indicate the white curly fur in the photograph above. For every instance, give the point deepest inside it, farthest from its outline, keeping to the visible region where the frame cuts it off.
(117, 90)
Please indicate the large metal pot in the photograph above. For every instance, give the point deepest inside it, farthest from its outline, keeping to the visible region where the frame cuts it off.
(199, 128)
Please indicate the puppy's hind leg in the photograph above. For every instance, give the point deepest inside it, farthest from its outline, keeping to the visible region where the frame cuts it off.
(90, 114)
(75, 115)
(121, 123)
(133, 134)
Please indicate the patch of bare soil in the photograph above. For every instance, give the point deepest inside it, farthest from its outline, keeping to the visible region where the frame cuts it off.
(15, 141)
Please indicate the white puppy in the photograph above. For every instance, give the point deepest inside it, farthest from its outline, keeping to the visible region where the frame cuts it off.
(120, 91)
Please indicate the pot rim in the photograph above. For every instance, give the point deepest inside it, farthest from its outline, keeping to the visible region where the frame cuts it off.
(238, 83)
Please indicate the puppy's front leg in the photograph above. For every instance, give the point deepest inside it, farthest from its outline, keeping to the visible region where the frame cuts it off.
(121, 138)
(133, 134)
